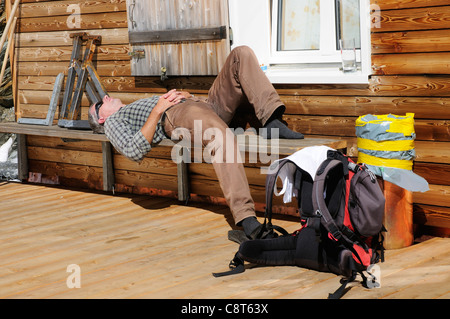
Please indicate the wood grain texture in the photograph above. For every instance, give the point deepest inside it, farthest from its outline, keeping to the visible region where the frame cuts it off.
(425, 18)
(131, 246)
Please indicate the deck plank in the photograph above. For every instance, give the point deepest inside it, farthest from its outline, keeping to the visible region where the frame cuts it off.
(134, 246)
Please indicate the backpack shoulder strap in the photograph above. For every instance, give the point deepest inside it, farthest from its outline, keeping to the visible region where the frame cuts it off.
(319, 205)
(321, 209)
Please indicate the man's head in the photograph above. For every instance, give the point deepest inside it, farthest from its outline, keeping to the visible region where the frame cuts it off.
(100, 111)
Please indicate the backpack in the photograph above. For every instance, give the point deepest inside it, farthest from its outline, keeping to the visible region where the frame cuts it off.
(341, 214)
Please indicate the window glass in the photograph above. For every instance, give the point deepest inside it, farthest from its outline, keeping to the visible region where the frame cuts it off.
(348, 24)
(298, 25)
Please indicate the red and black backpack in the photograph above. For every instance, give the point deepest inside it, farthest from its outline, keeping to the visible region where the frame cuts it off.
(341, 211)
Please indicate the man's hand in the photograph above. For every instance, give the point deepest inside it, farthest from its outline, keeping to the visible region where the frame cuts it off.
(174, 94)
(167, 100)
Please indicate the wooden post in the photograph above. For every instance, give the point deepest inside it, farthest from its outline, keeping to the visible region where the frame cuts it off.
(398, 217)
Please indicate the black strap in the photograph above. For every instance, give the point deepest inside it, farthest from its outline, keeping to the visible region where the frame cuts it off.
(341, 290)
(236, 267)
(267, 231)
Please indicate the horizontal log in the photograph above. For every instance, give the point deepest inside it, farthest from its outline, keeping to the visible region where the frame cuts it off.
(109, 20)
(432, 152)
(432, 130)
(147, 165)
(434, 173)
(160, 152)
(423, 107)
(206, 171)
(67, 156)
(410, 42)
(70, 175)
(104, 52)
(410, 86)
(208, 187)
(64, 144)
(104, 68)
(426, 18)
(429, 215)
(438, 195)
(163, 182)
(62, 38)
(126, 84)
(411, 63)
(35, 8)
(74, 175)
(404, 4)
(43, 98)
(415, 85)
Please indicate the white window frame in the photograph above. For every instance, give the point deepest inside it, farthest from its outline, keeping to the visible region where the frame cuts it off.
(250, 21)
(327, 52)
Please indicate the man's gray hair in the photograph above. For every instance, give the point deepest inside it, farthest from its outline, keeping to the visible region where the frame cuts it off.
(93, 121)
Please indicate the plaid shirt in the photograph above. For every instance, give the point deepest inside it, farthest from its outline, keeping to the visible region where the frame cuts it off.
(123, 129)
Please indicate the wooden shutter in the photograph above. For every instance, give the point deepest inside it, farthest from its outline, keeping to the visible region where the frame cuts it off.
(186, 37)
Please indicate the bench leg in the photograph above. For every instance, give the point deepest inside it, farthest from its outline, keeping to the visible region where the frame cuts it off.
(183, 176)
(108, 167)
(183, 182)
(22, 157)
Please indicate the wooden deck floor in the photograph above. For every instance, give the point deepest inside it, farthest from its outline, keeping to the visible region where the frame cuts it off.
(141, 247)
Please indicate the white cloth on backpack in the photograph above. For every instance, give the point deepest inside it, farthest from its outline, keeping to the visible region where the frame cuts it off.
(308, 159)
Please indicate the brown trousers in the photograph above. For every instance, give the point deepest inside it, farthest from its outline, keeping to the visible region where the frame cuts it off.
(241, 80)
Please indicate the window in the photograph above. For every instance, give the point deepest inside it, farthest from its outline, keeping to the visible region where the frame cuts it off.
(299, 40)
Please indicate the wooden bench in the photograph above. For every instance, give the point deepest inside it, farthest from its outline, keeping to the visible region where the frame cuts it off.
(281, 148)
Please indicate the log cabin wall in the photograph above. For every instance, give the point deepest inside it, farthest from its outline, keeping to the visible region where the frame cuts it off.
(411, 73)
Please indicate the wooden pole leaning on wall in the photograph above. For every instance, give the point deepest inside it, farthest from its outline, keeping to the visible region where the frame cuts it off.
(5, 59)
(9, 23)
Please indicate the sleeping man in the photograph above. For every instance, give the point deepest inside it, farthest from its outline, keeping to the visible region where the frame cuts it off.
(133, 128)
